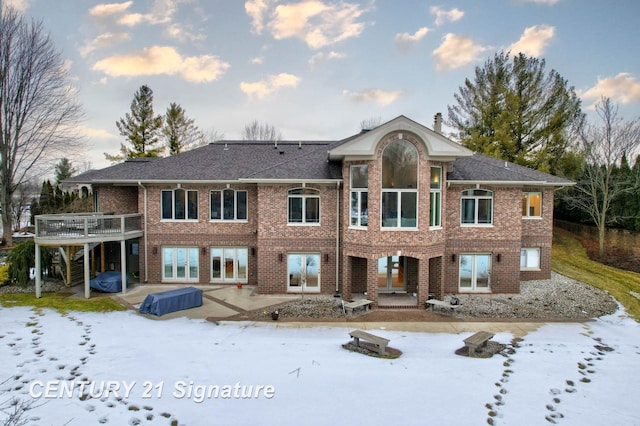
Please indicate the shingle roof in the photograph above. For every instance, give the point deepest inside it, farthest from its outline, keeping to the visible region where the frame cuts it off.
(228, 161)
(482, 168)
(288, 160)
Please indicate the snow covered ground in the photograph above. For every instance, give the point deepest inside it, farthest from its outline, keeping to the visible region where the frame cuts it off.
(157, 372)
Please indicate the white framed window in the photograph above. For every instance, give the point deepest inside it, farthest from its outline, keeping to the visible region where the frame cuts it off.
(532, 204)
(359, 183)
(475, 273)
(399, 200)
(180, 264)
(179, 204)
(229, 264)
(303, 206)
(303, 272)
(228, 205)
(530, 259)
(476, 207)
(435, 197)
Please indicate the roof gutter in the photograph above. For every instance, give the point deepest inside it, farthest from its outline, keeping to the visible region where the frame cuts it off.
(207, 182)
(289, 181)
(509, 183)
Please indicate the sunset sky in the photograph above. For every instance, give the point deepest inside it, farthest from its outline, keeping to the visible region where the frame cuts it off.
(316, 68)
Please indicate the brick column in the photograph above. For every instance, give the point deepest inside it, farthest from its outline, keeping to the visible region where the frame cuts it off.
(372, 281)
(423, 281)
(345, 287)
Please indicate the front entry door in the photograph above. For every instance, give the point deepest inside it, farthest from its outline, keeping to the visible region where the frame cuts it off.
(391, 276)
(304, 272)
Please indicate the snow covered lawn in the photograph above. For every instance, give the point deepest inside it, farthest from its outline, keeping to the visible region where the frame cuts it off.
(120, 368)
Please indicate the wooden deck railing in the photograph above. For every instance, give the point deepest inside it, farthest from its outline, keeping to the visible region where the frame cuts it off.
(87, 226)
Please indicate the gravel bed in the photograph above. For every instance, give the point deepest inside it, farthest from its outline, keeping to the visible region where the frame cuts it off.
(558, 298)
(48, 286)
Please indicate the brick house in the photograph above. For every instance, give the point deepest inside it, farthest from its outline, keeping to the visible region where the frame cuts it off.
(396, 209)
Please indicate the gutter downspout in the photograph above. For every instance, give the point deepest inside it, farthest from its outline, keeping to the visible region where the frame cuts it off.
(146, 242)
(337, 237)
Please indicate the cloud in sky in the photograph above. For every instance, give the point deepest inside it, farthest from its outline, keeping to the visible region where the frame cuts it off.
(273, 83)
(533, 40)
(161, 12)
(444, 16)
(406, 40)
(183, 33)
(104, 40)
(20, 5)
(624, 88)
(456, 51)
(317, 23)
(256, 10)
(547, 2)
(378, 96)
(163, 60)
(321, 57)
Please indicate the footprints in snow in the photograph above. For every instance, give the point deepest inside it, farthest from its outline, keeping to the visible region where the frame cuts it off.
(498, 399)
(585, 368)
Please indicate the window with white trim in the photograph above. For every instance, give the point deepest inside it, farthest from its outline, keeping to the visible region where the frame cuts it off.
(303, 206)
(179, 204)
(532, 204)
(476, 207)
(530, 259)
(228, 205)
(180, 264)
(399, 200)
(229, 264)
(359, 176)
(435, 197)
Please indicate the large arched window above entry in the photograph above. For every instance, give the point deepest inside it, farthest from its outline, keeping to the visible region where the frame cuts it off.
(400, 165)
(399, 199)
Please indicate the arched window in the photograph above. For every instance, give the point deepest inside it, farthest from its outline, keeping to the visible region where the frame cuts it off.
(477, 207)
(400, 185)
(304, 205)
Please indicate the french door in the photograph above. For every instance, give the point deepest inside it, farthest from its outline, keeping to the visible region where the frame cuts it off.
(475, 272)
(303, 271)
(391, 274)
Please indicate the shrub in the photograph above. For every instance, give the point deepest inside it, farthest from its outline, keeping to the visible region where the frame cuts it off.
(4, 274)
(22, 258)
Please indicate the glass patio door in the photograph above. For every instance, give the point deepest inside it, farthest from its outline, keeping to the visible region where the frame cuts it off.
(475, 272)
(391, 276)
(303, 272)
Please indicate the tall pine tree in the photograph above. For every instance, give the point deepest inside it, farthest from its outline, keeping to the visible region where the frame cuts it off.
(517, 111)
(140, 128)
(179, 131)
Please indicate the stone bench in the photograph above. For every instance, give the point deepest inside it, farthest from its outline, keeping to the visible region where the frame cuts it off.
(435, 302)
(477, 340)
(350, 306)
(379, 342)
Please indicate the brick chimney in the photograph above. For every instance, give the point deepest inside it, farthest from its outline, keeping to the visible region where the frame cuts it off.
(437, 123)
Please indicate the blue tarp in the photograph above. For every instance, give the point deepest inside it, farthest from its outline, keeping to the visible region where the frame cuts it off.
(109, 282)
(171, 301)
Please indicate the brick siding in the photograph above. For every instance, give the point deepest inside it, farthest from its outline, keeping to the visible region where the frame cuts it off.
(432, 254)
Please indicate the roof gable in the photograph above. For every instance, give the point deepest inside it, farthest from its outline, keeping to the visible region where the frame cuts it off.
(365, 144)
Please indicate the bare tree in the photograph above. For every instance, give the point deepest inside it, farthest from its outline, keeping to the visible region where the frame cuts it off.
(22, 198)
(603, 147)
(211, 136)
(370, 123)
(38, 109)
(256, 131)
